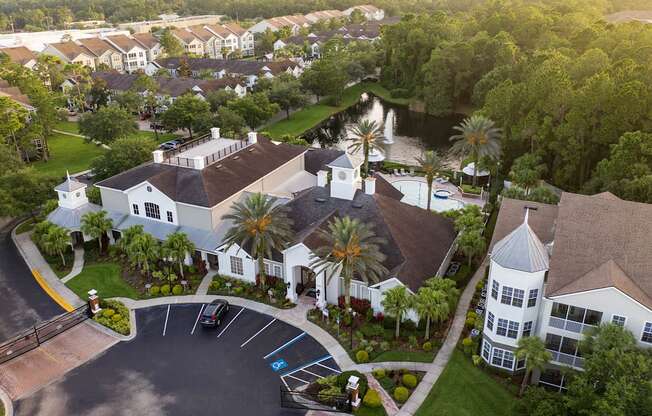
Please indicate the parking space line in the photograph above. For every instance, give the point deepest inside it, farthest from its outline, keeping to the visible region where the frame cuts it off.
(297, 378)
(317, 361)
(197, 320)
(256, 334)
(230, 322)
(284, 346)
(328, 368)
(286, 383)
(167, 315)
(311, 373)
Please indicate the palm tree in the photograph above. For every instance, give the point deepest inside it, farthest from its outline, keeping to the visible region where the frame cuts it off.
(259, 221)
(178, 245)
(478, 137)
(55, 241)
(96, 225)
(533, 351)
(431, 305)
(447, 287)
(430, 163)
(472, 244)
(128, 235)
(143, 249)
(397, 301)
(352, 249)
(366, 136)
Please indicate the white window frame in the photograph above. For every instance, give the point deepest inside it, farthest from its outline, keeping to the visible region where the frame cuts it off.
(154, 211)
(516, 298)
(136, 209)
(505, 298)
(648, 332)
(618, 316)
(530, 297)
(169, 216)
(490, 321)
(237, 266)
(495, 285)
(486, 350)
(525, 329)
(500, 326)
(512, 329)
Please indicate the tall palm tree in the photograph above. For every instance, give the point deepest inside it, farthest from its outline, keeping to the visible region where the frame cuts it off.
(472, 244)
(366, 136)
(447, 287)
(430, 163)
(143, 249)
(177, 246)
(478, 137)
(431, 305)
(96, 225)
(259, 221)
(55, 241)
(533, 351)
(351, 249)
(397, 301)
(128, 235)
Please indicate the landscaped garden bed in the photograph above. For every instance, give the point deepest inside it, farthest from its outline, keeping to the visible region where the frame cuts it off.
(374, 335)
(54, 244)
(114, 315)
(326, 390)
(399, 384)
(274, 292)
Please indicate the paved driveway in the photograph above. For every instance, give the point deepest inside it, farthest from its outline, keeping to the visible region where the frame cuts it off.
(176, 367)
(22, 301)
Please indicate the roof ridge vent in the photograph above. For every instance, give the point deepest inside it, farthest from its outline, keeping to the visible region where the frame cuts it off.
(320, 200)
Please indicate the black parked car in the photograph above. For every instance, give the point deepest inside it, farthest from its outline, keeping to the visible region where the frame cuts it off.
(214, 313)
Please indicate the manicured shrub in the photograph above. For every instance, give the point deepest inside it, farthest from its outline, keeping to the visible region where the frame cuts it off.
(384, 346)
(467, 344)
(108, 312)
(469, 323)
(409, 380)
(116, 317)
(379, 373)
(471, 315)
(165, 290)
(177, 290)
(238, 290)
(359, 305)
(362, 356)
(372, 399)
(427, 346)
(372, 330)
(477, 360)
(401, 394)
(154, 290)
(387, 383)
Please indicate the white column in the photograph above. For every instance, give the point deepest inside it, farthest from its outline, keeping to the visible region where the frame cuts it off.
(320, 285)
(291, 279)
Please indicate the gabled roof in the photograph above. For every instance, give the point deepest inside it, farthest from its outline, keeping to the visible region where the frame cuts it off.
(219, 30)
(146, 39)
(19, 54)
(71, 218)
(123, 43)
(345, 161)
(521, 250)
(185, 35)
(201, 32)
(97, 46)
(71, 50)
(235, 28)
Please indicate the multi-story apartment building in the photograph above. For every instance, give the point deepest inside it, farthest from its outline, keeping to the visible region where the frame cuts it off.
(105, 53)
(71, 52)
(557, 271)
(134, 54)
(151, 44)
(20, 55)
(189, 190)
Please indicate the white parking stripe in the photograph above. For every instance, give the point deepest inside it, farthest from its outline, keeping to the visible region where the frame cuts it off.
(197, 320)
(328, 368)
(297, 378)
(286, 383)
(309, 372)
(167, 315)
(287, 344)
(256, 334)
(230, 322)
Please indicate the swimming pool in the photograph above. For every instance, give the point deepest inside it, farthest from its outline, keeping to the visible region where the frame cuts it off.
(416, 193)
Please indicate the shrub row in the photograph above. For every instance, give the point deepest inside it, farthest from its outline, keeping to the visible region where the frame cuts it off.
(114, 315)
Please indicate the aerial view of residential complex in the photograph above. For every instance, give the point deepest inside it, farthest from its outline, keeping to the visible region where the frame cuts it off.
(325, 207)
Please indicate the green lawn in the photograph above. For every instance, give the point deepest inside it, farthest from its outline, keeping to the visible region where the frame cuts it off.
(309, 117)
(417, 356)
(368, 411)
(68, 153)
(68, 126)
(103, 277)
(465, 390)
(162, 137)
(26, 226)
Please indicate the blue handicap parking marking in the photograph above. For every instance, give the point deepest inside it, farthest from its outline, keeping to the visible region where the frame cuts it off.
(278, 364)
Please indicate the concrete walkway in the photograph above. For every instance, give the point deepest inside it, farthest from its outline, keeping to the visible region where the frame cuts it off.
(77, 266)
(388, 403)
(205, 284)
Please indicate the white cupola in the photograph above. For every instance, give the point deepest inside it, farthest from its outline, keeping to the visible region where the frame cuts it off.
(72, 193)
(346, 178)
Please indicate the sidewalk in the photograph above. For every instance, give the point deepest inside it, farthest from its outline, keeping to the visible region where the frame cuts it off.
(77, 266)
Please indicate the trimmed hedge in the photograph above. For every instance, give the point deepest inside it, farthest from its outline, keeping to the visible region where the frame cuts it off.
(362, 356)
(115, 316)
(401, 394)
(409, 380)
(372, 399)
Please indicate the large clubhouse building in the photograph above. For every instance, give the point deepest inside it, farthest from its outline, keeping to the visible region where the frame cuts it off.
(558, 271)
(191, 188)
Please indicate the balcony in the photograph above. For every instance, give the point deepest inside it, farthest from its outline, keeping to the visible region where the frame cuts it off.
(567, 359)
(568, 325)
(203, 151)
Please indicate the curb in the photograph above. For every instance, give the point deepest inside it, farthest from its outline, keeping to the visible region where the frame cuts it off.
(133, 331)
(6, 401)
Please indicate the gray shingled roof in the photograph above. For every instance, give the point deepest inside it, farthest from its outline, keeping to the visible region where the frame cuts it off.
(70, 219)
(70, 185)
(344, 161)
(521, 250)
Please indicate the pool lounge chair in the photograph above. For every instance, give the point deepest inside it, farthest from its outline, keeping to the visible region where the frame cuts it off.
(403, 172)
(396, 172)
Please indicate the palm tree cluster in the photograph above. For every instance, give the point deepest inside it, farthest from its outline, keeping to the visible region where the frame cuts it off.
(478, 138)
(350, 249)
(470, 225)
(52, 239)
(434, 302)
(259, 222)
(96, 225)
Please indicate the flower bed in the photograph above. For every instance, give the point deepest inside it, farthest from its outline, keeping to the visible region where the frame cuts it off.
(373, 336)
(399, 384)
(114, 315)
(226, 286)
(326, 389)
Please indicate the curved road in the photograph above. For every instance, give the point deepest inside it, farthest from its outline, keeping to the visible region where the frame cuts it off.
(22, 301)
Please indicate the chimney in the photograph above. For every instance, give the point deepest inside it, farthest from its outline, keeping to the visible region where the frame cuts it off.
(370, 185)
(215, 133)
(252, 137)
(158, 156)
(322, 178)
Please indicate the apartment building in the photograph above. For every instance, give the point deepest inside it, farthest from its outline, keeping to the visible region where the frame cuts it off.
(71, 53)
(105, 53)
(134, 54)
(557, 271)
(20, 55)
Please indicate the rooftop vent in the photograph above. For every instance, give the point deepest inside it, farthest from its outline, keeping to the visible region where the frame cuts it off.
(236, 157)
(320, 200)
(357, 205)
(251, 149)
(219, 165)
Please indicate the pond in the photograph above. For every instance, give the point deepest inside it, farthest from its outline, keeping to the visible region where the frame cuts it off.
(407, 133)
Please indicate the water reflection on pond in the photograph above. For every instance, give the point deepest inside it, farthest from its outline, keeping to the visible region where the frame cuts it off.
(407, 133)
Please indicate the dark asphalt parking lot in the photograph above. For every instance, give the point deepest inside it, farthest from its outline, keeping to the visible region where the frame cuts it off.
(190, 370)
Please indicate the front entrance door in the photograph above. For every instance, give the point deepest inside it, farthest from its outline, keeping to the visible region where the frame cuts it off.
(213, 261)
(77, 238)
(307, 277)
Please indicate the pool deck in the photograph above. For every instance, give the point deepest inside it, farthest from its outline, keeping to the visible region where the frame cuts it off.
(456, 194)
